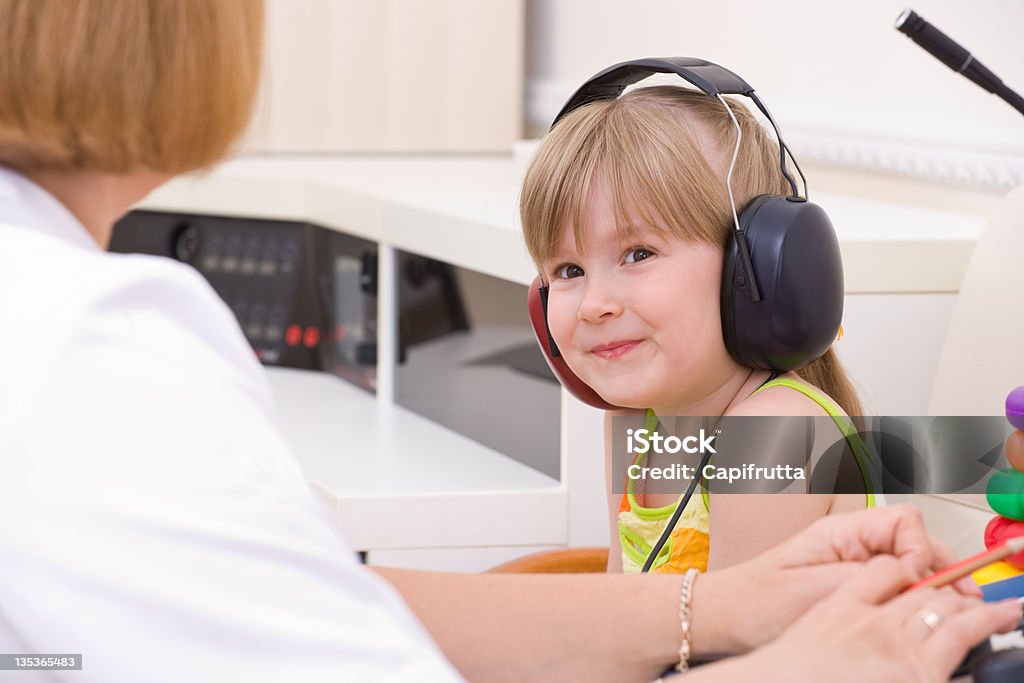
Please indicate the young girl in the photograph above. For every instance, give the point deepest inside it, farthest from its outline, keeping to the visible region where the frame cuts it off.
(625, 210)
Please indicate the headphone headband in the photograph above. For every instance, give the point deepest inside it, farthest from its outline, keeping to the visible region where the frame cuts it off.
(708, 77)
(712, 79)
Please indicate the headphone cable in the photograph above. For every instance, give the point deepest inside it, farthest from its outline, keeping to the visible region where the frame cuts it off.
(698, 475)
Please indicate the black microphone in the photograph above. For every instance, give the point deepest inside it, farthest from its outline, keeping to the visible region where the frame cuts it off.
(955, 56)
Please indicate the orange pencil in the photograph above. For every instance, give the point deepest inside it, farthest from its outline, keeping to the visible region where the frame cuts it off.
(961, 569)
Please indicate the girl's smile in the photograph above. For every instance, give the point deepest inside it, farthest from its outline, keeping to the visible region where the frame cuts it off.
(615, 349)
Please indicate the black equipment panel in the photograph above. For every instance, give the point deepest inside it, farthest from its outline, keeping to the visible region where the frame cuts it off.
(305, 296)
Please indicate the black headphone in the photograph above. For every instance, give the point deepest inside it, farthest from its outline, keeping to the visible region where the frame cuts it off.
(782, 280)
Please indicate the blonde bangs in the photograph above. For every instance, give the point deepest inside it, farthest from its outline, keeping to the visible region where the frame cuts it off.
(119, 85)
(659, 151)
(658, 172)
(558, 181)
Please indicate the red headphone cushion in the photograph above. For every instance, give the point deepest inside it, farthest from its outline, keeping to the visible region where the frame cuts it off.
(567, 377)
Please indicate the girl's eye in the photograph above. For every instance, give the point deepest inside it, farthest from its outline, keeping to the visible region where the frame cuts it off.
(638, 254)
(569, 271)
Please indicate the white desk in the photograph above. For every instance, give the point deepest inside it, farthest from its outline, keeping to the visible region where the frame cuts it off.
(394, 478)
(397, 480)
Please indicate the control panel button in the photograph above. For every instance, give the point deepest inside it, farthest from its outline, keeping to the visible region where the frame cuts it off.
(311, 337)
(186, 243)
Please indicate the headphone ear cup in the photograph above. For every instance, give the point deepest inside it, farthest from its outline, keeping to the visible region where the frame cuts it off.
(795, 256)
(538, 320)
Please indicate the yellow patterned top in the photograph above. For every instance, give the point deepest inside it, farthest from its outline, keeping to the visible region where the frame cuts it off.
(689, 543)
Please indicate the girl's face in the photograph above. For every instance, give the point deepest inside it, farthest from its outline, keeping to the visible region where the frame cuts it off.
(638, 320)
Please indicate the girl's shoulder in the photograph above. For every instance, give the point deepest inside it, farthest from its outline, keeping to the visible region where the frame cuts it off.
(790, 396)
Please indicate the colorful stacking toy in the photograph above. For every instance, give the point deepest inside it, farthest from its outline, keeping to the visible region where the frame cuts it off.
(1005, 495)
(1015, 407)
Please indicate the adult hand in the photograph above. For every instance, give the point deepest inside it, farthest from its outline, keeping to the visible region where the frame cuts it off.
(867, 630)
(750, 604)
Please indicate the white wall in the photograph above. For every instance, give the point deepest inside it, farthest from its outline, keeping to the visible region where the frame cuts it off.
(847, 88)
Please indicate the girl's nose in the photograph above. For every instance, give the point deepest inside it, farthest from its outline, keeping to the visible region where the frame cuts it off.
(601, 301)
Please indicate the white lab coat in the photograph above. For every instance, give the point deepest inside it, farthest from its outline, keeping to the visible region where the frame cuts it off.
(151, 516)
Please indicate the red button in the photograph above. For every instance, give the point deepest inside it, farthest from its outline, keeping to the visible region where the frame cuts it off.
(311, 338)
(293, 335)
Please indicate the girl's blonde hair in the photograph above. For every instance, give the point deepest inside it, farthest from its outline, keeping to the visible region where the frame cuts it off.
(119, 85)
(663, 153)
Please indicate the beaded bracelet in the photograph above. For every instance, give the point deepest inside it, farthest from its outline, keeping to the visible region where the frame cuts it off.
(685, 594)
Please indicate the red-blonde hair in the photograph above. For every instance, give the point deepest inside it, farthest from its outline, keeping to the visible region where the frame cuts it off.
(119, 85)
